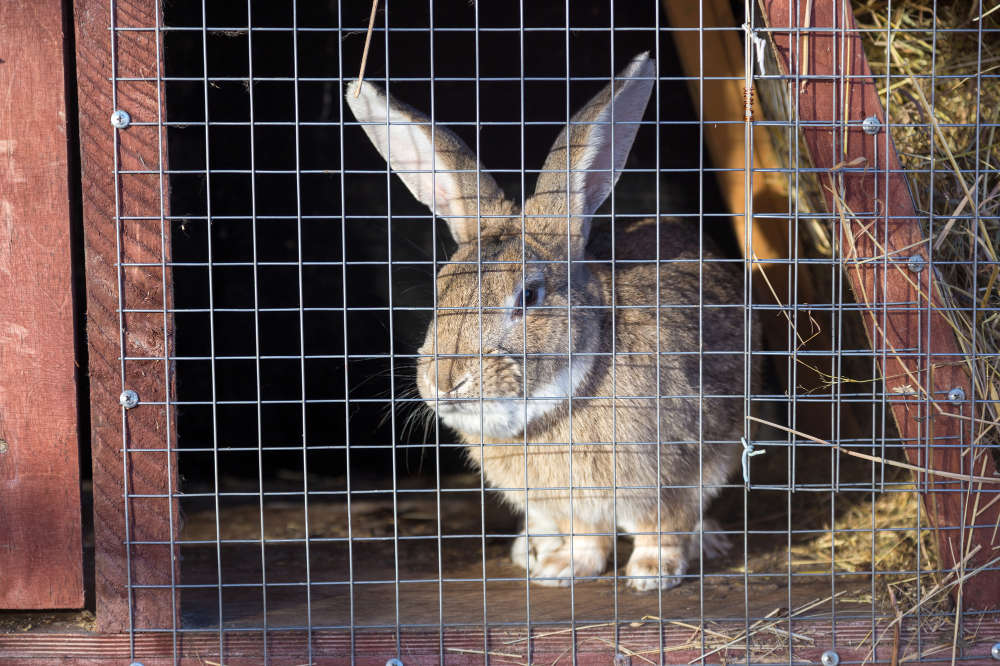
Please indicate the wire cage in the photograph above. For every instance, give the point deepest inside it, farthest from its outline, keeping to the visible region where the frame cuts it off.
(718, 315)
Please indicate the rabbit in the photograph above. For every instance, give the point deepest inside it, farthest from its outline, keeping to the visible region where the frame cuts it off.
(519, 330)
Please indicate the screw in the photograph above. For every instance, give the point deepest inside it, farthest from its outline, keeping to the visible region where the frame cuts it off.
(622, 660)
(394, 662)
(957, 394)
(916, 263)
(128, 399)
(995, 651)
(120, 119)
(871, 125)
(830, 658)
(136, 663)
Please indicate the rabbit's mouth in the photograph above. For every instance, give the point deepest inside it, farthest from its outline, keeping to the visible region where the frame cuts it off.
(506, 416)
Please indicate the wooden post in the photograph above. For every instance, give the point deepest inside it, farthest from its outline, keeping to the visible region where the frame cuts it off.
(715, 53)
(41, 557)
(879, 231)
(123, 226)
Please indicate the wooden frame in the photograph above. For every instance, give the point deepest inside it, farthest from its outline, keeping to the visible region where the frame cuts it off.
(104, 60)
(595, 645)
(902, 309)
(41, 552)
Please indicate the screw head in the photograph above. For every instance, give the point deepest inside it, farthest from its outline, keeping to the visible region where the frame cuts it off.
(871, 125)
(136, 663)
(394, 662)
(957, 394)
(830, 658)
(622, 660)
(120, 119)
(995, 651)
(916, 263)
(128, 399)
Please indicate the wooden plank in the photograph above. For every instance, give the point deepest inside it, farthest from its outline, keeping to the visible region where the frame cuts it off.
(148, 429)
(595, 644)
(705, 56)
(41, 555)
(879, 231)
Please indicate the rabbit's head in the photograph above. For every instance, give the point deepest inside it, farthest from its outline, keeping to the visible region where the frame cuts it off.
(503, 327)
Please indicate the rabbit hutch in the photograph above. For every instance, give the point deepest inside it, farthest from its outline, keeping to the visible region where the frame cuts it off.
(372, 332)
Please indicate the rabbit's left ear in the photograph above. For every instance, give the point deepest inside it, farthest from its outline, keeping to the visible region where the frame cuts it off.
(599, 138)
(437, 167)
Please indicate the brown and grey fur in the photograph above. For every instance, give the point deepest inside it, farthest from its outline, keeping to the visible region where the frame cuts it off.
(483, 354)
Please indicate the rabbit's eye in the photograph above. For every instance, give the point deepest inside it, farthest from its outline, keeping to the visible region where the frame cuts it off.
(530, 297)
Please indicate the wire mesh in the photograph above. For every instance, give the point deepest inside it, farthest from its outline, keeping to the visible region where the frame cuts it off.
(652, 378)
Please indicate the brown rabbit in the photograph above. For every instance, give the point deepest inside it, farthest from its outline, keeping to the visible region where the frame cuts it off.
(528, 318)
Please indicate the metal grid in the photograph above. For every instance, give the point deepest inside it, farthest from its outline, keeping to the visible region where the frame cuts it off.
(276, 418)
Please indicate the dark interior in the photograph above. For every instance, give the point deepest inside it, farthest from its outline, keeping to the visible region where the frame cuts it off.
(326, 52)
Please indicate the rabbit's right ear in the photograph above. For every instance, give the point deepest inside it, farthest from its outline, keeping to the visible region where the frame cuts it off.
(599, 138)
(444, 174)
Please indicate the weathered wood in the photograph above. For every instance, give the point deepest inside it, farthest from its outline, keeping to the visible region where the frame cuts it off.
(595, 644)
(105, 197)
(41, 556)
(707, 56)
(878, 232)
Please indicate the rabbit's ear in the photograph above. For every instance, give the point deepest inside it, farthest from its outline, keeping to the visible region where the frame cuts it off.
(443, 174)
(599, 144)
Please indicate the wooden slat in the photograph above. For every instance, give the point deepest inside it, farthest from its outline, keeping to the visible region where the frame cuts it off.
(147, 426)
(707, 55)
(41, 558)
(901, 308)
(595, 644)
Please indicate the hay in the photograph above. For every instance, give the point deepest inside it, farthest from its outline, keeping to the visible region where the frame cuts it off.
(879, 536)
(943, 134)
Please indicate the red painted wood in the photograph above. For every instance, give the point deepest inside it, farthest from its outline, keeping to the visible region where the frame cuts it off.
(878, 220)
(595, 644)
(41, 557)
(146, 426)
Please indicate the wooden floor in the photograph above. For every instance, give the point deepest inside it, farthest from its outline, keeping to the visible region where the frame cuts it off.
(441, 580)
(442, 611)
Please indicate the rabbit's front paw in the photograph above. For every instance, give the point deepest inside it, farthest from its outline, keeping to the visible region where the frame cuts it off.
(652, 567)
(525, 551)
(557, 567)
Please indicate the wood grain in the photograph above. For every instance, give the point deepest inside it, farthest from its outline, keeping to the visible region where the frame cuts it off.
(146, 430)
(595, 644)
(41, 556)
(879, 231)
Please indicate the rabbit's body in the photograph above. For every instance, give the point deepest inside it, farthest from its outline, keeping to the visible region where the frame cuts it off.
(616, 404)
(526, 354)
(614, 486)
